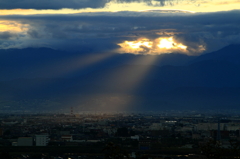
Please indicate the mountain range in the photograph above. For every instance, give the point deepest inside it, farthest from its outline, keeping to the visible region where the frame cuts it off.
(43, 79)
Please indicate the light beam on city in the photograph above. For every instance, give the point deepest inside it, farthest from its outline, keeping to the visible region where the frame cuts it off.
(125, 80)
(104, 102)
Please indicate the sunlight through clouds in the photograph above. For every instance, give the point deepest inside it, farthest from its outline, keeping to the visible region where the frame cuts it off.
(12, 30)
(12, 26)
(61, 68)
(108, 54)
(125, 5)
(129, 78)
(168, 43)
(104, 102)
(157, 46)
(141, 45)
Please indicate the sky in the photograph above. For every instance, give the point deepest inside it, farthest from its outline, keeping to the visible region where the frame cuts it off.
(141, 27)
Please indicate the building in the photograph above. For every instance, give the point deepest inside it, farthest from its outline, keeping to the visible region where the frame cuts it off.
(156, 126)
(1, 131)
(25, 141)
(136, 137)
(41, 140)
(67, 138)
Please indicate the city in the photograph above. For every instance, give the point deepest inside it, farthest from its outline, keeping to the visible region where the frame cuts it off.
(119, 79)
(152, 135)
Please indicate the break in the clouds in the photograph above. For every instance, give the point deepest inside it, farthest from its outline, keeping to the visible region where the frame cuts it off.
(123, 31)
(121, 26)
(80, 6)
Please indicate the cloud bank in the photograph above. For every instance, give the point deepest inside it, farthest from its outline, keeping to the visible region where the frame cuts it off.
(101, 31)
(83, 4)
(51, 4)
(75, 4)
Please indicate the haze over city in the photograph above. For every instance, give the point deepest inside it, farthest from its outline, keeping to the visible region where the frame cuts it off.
(119, 79)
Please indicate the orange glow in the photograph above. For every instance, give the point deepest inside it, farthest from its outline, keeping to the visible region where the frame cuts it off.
(139, 45)
(168, 43)
(12, 26)
(35, 12)
(153, 47)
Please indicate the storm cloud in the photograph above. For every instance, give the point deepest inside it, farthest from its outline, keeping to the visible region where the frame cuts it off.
(101, 30)
(51, 4)
(79, 4)
(7, 35)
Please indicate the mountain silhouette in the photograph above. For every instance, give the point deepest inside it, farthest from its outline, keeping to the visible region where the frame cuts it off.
(209, 81)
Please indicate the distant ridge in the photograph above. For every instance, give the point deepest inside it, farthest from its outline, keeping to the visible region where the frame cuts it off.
(229, 53)
(211, 81)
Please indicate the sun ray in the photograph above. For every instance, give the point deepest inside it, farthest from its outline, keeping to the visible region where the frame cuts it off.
(76, 63)
(103, 102)
(119, 84)
(126, 79)
(64, 68)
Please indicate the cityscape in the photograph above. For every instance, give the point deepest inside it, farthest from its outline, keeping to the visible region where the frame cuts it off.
(119, 79)
(155, 135)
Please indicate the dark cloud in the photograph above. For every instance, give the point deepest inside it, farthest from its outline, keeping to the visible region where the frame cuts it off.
(102, 29)
(7, 35)
(34, 34)
(51, 4)
(75, 4)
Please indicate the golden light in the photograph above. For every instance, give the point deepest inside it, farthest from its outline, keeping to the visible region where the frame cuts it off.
(12, 26)
(152, 47)
(141, 6)
(104, 101)
(128, 78)
(169, 43)
(166, 43)
(139, 45)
